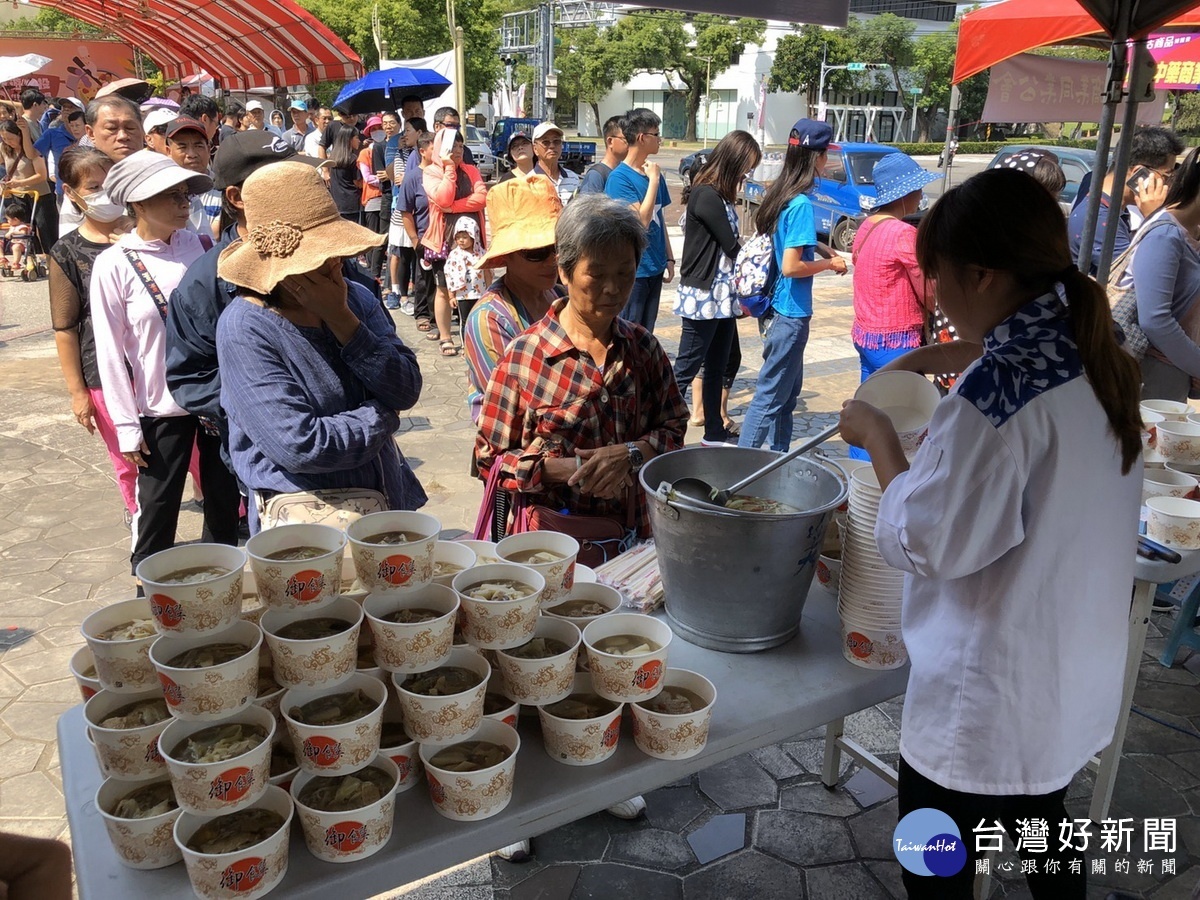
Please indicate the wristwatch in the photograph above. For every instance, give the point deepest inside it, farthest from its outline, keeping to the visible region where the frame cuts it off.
(635, 457)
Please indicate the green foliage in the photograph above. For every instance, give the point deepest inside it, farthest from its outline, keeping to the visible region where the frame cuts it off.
(932, 69)
(1187, 112)
(797, 66)
(887, 39)
(50, 20)
(589, 63)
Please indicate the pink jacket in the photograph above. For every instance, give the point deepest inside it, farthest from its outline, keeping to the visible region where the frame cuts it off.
(441, 182)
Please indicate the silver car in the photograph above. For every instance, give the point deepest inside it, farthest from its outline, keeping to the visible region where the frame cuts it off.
(477, 140)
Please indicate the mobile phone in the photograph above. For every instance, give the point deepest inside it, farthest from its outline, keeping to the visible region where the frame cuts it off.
(448, 141)
(1140, 174)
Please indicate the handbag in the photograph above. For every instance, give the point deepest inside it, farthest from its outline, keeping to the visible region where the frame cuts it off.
(1123, 300)
(337, 507)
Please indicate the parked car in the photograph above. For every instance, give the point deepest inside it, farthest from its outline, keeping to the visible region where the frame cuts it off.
(576, 155)
(692, 163)
(477, 140)
(1076, 163)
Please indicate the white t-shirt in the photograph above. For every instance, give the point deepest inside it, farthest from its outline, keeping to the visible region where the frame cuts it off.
(1019, 532)
(312, 141)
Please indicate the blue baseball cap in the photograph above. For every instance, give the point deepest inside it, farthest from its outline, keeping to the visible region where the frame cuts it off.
(298, 104)
(811, 135)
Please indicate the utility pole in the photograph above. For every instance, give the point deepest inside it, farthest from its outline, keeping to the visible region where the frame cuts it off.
(707, 94)
(849, 67)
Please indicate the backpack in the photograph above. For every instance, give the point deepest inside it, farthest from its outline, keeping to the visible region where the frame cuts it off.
(754, 275)
(1123, 300)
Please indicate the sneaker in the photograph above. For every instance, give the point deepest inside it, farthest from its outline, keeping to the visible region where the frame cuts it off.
(629, 810)
(726, 440)
(516, 853)
(408, 307)
(391, 300)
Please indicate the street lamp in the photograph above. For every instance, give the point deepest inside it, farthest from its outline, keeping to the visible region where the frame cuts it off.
(707, 94)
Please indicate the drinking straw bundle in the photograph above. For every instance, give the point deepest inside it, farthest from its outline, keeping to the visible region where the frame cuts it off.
(635, 574)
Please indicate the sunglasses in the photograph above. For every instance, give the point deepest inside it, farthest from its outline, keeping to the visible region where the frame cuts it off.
(541, 254)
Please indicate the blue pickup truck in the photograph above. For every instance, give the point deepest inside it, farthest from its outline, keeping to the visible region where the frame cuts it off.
(576, 155)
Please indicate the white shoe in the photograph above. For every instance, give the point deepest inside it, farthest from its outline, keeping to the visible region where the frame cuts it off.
(515, 853)
(408, 307)
(628, 809)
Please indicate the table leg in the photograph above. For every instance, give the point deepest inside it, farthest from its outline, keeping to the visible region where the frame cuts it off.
(1110, 757)
(833, 753)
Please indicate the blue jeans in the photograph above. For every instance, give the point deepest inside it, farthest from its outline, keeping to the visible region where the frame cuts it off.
(871, 361)
(642, 305)
(779, 382)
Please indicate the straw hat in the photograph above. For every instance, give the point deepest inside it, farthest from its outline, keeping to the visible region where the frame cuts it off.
(522, 213)
(896, 175)
(293, 226)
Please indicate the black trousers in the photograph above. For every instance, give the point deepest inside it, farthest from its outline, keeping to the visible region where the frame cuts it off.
(405, 269)
(45, 221)
(425, 285)
(967, 810)
(371, 220)
(160, 487)
(706, 342)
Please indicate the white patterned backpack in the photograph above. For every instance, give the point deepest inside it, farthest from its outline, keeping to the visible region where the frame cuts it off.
(755, 274)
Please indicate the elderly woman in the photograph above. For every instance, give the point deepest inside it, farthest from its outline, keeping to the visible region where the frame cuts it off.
(312, 373)
(129, 286)
(582, 399)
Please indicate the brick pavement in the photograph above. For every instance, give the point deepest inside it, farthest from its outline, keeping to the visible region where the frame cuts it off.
(64, 550)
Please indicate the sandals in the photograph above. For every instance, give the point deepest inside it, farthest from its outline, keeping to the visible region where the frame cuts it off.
(424, 324)
(449, 348)
(432, 335)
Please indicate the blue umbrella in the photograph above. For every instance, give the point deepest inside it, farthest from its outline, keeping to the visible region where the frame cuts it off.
(384, 88)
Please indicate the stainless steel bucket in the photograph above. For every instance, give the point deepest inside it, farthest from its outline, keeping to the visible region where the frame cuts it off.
(737, 581)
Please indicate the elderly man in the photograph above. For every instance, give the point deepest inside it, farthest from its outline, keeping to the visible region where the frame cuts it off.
(113, 125)
(301, 126)
(312, 140)
(548, 148)
(155, 126)
(259, 116)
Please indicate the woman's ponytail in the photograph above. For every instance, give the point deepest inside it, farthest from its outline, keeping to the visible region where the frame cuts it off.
(1114, 375)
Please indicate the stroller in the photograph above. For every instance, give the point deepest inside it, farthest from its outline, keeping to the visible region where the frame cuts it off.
(32, 264)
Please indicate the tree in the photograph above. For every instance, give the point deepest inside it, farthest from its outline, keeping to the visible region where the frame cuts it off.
(886, 39)
(50, 20)
(798, 58)
(589, 65)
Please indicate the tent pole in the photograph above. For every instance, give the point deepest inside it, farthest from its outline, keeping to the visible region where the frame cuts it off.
(1121, 163)
(1108, 116)
(951, 127)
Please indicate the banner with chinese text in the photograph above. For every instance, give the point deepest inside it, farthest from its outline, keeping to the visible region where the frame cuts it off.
(77, 68)
(1029, 88)
(1178, 59)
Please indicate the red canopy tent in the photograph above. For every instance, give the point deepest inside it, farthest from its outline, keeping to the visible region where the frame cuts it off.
(242, 44)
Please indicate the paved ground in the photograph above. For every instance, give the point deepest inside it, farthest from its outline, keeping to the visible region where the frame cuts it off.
(64, 551)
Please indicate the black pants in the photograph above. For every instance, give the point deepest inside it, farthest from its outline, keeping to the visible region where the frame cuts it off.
(160, 487)
(706, 342)
(371, 219)
(45, 222)
(425, 285)
(917, 792)
(405, 270)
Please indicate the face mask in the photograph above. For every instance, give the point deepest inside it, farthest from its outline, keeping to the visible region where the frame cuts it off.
(101, 208)
(378, 135)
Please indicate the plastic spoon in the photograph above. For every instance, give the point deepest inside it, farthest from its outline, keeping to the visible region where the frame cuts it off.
(701, 490)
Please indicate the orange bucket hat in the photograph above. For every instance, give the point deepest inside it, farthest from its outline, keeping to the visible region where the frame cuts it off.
(522, 213)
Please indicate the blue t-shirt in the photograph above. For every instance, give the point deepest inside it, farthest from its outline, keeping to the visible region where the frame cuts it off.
(796, 228)
(412, 196)
(629, 186)
(1075, 232)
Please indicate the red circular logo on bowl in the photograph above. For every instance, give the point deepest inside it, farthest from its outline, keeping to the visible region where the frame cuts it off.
(568, 581)
(244, 875)
(305, 587)
(88, 693)
(396, 569)
(231, 785)
(437, 793)
(323, 751)
(859, 644)
(167, 610)
(345, 837)
(612, 732)
(152, 755)
(171, 691)
(405, 765)
(648, 675)
(511, 721)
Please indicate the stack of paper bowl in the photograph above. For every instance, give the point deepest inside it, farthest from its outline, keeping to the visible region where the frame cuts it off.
(869, 591)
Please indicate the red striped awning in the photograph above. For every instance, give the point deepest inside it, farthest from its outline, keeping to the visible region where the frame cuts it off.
(242, 44)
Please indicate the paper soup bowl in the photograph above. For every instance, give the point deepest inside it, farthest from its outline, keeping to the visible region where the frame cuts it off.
(873, 648)
(83, 667)
(417, 646)
(212, 789)
(485, 552)
(907, 398)
(147, 843)
(1174, 521)
(394, 567)
(559, 573)
(675, 735)
(627, 679)
(247, 873)
(1166, 483)
(292, 584)
(499, 624)
(319, 662)
(471, 796)
(211, 692)
(351, 834)
(336, 749)
(396, 745)
(581, 742)
(450, 558)
(198, 607)
(1179, 441)
(121, 666)
(608, 597)
(1170, 410)
(130, 754)
(535, 682)
(504, 708)
(438, 721)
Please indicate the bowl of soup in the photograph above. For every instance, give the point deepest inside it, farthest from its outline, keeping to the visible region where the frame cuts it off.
(582, 728)
(674, 723)
(219, 767)
(347, 817)
(396, 745)
(549, 553)
(194, 588)
(314, 648)
(393, 551)
(297, 566)
(627, 655)
(450, 558)
(209, 676)
(500, 603)
(119, 637)
(83, 668)
(124, 729)
(412, 631)
(445, 704)
(542, 670)
(335, 730)
(473, 779)
(139, 817)
(585, 603)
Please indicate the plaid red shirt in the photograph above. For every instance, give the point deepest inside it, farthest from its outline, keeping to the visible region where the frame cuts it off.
(546, 398)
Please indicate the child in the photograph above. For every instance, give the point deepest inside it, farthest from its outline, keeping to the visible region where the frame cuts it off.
(17, 213)
(465, 282)
(1016, 522)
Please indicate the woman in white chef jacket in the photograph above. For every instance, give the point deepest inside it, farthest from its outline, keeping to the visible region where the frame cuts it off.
(1016, 522)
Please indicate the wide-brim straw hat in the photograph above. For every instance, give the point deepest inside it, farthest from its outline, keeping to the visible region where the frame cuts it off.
(896, 175)
(522, 213)
(292, 227)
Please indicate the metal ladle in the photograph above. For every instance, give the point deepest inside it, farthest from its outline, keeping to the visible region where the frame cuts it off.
(700, 490)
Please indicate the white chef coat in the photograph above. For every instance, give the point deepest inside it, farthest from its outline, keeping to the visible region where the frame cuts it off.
(1018, 531)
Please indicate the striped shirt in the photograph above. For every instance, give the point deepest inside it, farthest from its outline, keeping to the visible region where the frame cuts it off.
(547, 399)
(494, 321)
